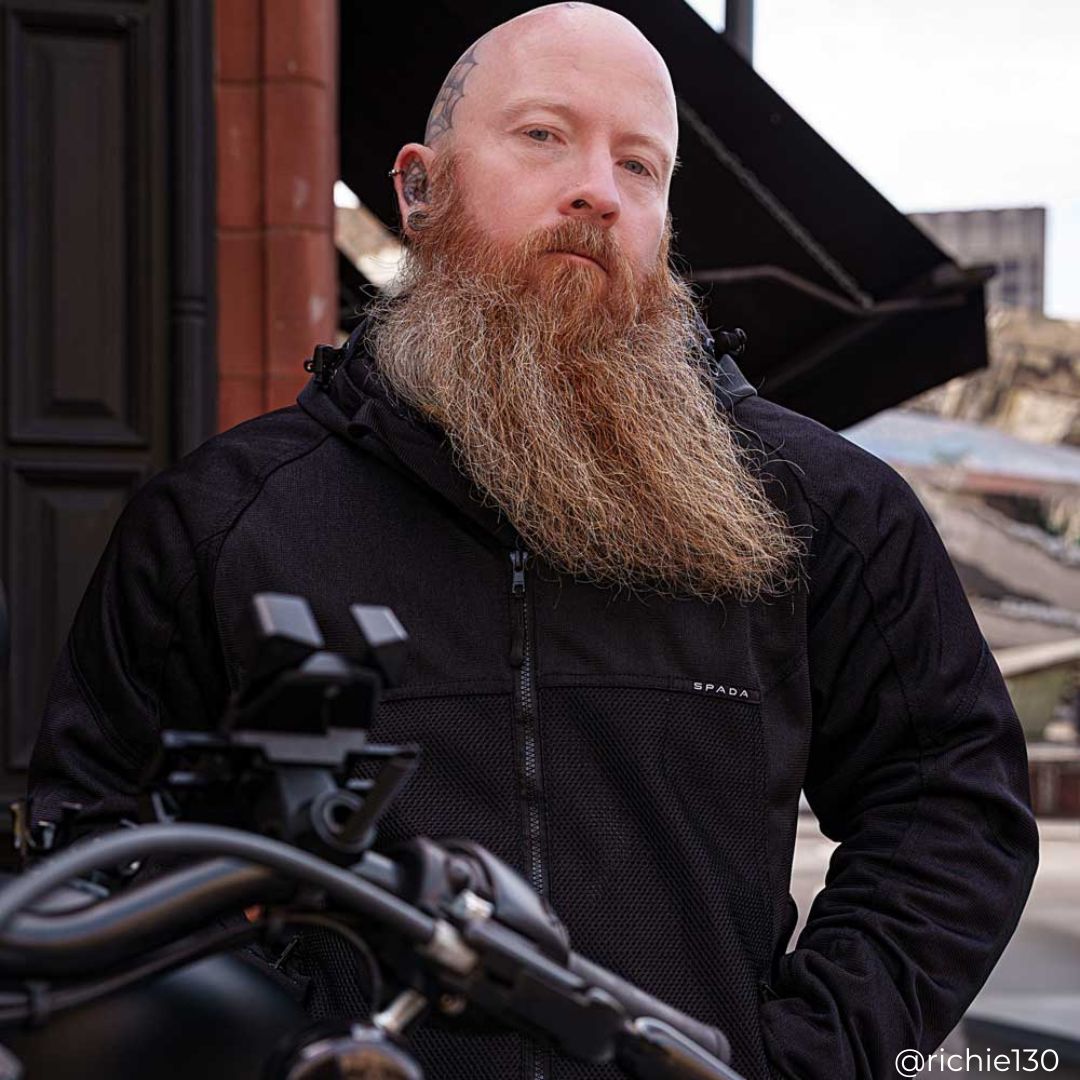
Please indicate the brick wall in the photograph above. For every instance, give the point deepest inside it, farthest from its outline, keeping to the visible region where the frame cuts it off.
(276, 101)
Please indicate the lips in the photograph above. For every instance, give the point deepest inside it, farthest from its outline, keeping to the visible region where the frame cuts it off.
(580, 255)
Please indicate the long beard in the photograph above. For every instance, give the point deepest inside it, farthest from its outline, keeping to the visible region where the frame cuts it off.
(579, 403)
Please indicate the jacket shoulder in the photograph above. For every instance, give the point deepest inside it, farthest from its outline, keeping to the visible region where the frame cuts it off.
(840, 481)
(210, 487)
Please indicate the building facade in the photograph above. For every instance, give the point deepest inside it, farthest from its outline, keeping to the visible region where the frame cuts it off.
(1012, 240)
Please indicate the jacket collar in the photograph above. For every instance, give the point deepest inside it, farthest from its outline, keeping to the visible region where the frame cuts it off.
(351, 401)
(357, 406)
(729, 383)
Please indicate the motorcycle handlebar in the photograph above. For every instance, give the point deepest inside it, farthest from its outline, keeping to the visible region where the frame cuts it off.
(255, 869)
(136, 920)
(638, 1004)
(128, 845)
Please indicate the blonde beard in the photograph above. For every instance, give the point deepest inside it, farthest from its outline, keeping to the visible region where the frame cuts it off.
(578, 402)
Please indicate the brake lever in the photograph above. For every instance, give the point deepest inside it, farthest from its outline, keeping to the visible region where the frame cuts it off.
(651, 1050)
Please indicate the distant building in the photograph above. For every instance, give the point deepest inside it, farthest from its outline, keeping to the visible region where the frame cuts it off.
(1012, 240)
(1030, 392)
(1031, 388)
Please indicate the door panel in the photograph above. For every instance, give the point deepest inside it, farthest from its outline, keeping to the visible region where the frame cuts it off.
(81, 228)
(61, 517)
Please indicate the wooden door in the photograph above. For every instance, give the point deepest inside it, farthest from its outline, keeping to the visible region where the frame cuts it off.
(107, 361)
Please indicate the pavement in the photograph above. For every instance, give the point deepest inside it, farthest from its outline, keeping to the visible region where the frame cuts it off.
(1032, 999)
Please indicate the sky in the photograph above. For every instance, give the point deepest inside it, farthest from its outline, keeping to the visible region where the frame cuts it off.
(941, 104)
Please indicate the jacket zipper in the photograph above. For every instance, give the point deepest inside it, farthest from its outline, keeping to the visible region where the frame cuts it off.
(522, 657)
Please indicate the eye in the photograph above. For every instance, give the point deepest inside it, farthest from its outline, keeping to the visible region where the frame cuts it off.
(540, 135)
(639, 170)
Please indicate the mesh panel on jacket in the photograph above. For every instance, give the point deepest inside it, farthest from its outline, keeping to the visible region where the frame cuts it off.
(658, 849)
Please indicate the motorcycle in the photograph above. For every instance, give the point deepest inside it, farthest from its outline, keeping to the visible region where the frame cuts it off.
(119, 951)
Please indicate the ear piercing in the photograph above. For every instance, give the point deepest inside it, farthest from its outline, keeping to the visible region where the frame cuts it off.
(416, 182)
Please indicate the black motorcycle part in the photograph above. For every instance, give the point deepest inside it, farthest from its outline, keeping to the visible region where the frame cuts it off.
(345, 1052)
(217, 1018)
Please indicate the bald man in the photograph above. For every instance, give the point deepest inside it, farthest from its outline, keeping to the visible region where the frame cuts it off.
(647, 607)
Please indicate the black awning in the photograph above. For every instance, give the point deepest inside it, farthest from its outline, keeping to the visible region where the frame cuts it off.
(848, 306)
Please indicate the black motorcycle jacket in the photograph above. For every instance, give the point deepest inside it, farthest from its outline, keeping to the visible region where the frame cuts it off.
(638, 759)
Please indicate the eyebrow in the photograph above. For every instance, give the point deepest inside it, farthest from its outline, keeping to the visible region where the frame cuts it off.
(518, 106)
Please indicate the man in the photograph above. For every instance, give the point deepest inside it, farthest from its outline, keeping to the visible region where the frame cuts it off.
(647, 607)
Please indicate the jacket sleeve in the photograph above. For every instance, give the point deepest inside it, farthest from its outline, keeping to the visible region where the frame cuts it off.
(142, 654)
(918, 767)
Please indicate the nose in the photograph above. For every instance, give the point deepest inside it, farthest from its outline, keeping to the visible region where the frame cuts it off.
(594, 197)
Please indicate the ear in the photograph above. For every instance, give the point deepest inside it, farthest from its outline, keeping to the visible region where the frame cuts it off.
(411, 183)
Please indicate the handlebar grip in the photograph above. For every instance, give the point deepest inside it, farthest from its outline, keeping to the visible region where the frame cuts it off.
(637, 1003)
(653, 1050)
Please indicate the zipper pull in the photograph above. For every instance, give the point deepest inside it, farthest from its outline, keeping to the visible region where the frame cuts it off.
(518, 560)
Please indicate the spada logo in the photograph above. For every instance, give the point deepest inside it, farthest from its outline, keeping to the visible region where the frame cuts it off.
(718, 688)
(726, 690)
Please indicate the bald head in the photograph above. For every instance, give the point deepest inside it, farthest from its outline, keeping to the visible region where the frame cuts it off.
(575, 36)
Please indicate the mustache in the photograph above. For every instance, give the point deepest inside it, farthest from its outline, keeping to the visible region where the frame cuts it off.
(578, 237)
